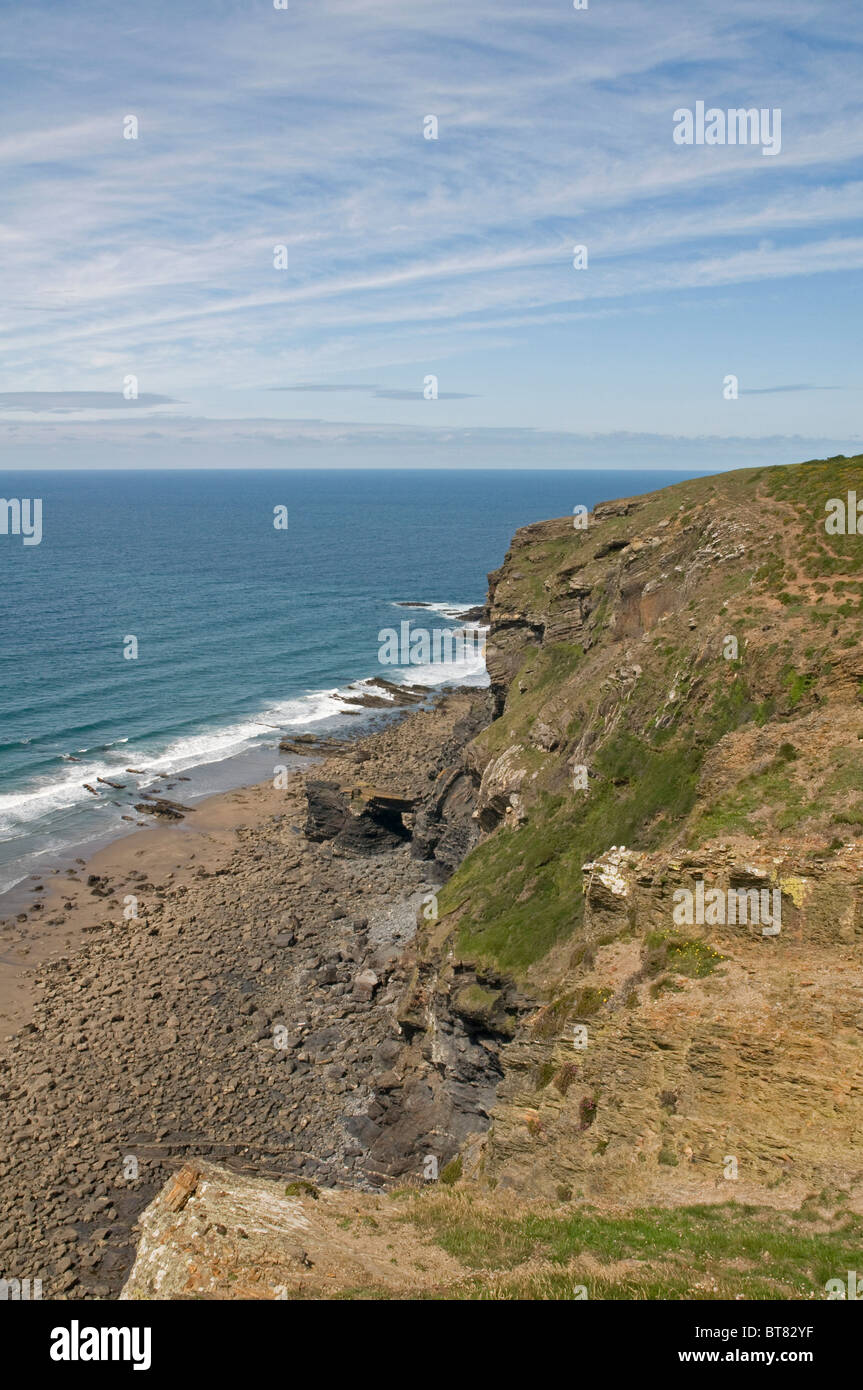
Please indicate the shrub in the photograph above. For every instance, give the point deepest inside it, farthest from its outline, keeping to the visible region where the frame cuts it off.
(452, 1171)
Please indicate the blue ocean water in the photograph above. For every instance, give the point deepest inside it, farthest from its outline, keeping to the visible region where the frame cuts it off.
(242, 629)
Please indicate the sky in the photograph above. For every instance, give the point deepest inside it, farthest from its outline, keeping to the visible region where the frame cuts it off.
(419, 265)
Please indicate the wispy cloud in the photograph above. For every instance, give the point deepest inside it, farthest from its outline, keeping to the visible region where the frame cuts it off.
(380, 393)
(260, 129)
(328, 387)
(779, 390)
(57, 402)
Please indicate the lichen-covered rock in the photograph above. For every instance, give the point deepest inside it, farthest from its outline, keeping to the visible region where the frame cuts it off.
(238, 1237)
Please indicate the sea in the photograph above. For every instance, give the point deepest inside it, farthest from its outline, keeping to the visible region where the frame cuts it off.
(181, 623)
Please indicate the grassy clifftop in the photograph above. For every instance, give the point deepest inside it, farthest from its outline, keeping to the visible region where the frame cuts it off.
(609, 649)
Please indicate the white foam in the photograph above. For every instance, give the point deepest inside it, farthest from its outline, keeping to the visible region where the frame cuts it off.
(20, 810)
(305, 709)
(469, 670)
(23, 868)
(446, 610)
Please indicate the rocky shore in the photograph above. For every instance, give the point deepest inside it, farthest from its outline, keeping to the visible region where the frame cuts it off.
(246, 1013)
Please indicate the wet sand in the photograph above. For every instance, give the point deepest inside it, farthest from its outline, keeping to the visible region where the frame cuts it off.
(70, 907)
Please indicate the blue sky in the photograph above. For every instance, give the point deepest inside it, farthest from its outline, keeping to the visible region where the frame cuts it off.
(409, 257)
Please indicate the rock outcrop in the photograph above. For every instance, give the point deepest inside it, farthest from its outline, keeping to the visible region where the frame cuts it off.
(216, 1235)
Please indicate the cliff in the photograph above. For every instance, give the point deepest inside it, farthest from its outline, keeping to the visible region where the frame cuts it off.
(678, 696)
(640, 979)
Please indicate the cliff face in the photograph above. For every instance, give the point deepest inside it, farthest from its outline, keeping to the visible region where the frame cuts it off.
(678, 696)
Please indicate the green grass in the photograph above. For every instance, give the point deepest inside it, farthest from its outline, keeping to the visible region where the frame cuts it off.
(520, 891)
(772, 797)
(807, 487)
(754, 1251)
(667, 950)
